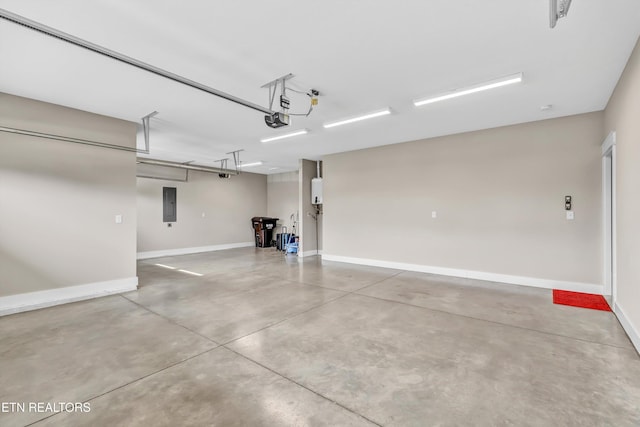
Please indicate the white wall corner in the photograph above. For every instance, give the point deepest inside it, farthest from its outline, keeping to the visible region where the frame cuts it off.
(40, 299)
(629, 328)
(194, 250)
(590, 288)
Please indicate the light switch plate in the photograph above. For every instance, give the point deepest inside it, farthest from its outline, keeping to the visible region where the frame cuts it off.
(570, 215)
(434, 214)
(118, 219)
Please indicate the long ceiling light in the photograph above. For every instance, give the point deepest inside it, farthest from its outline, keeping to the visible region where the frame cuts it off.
(367, 116)
(285, 135)
(509, 80)
(248, 165)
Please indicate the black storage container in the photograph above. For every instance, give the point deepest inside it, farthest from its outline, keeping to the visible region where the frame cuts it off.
(263, 227)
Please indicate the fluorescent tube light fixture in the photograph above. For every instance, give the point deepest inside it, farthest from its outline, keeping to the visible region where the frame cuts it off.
(248, 165)
(508, 80)
(367, 116)
(285, 135)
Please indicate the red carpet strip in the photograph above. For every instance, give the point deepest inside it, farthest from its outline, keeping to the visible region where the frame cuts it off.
(579, 299)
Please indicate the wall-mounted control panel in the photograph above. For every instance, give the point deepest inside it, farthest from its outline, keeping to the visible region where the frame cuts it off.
(568, 204)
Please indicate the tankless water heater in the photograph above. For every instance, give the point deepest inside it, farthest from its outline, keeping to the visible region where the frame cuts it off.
(316, 191)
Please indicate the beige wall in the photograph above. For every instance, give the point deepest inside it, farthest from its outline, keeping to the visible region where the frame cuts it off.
(498, 194)
(58, 200)
(308, 242)
(623, 117)
(282, 198)
(228, 206)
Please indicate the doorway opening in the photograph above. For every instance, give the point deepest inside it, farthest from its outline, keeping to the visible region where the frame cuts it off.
(609, 214)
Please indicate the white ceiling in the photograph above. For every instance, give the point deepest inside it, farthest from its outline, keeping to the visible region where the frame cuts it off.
(362, 56)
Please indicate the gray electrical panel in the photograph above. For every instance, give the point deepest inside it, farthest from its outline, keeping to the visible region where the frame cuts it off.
(169, 213)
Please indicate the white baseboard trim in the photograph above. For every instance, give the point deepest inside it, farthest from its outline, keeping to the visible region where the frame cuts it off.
(194, 250)
(628, 327)
(590, 288)
(40, 299)
(308, 253)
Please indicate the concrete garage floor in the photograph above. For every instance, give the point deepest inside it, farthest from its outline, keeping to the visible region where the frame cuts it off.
(260, 339)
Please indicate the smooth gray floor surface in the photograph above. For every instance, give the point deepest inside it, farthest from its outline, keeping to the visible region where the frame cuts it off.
(258, 338)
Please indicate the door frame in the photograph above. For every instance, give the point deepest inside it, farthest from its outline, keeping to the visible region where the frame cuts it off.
(609, 214)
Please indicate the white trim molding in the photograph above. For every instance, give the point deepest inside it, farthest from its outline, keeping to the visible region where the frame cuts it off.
(590, 288)
(194, 250)
(608, 143)
(632, 332)
(308, 253)
(609, 212)
(40, 299)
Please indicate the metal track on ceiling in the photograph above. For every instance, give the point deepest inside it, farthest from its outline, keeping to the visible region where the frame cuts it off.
(70, 139)
(144, 160)
(187, 166)
(52, 32)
